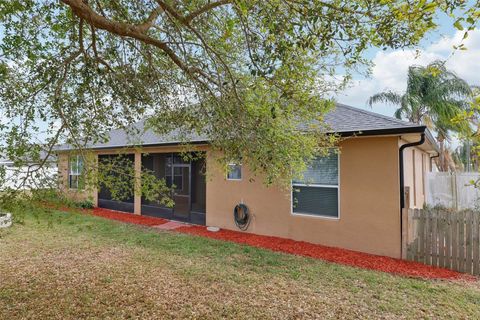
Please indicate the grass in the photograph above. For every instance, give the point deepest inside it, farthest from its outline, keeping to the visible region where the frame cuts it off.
(70, 266)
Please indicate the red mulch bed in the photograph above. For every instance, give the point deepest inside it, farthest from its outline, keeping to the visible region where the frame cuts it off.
(301, 248)
(337, 255)
(128, 217)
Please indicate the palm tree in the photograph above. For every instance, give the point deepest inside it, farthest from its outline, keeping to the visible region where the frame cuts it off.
(465, 156)
(433, 97)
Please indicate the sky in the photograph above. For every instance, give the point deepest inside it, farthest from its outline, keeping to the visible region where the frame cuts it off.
(391, 66)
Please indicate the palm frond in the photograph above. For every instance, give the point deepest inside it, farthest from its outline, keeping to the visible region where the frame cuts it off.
(385, 97)
(398, 113)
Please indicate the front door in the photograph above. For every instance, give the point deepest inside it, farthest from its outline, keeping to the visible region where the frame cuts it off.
(181, 191)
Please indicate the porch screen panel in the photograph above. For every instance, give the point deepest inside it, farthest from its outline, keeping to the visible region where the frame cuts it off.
(199, 191)
(104, 192)
(156, 164)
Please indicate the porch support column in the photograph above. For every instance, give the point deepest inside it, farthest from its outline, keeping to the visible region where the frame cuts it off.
(95, 188)
(138, 184)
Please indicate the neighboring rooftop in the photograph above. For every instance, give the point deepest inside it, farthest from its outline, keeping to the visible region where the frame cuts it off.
(51, 158)
(344, 120)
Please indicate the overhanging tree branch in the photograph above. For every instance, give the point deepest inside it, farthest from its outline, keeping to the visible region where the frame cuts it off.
(84, 11)
(205, 8)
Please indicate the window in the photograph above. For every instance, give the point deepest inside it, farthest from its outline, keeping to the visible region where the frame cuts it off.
(75, 180)
(317, 193)
(234, 172)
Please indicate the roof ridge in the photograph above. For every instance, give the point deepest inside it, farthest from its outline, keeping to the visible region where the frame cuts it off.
(378, 115)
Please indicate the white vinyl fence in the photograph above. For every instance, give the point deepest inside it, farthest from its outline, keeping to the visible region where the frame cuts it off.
(453, 190)
(17, 178)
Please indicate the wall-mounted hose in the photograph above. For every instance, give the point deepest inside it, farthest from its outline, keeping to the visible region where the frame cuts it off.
(242, 216)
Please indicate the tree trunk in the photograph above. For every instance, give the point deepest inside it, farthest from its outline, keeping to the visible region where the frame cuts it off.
(441, 159)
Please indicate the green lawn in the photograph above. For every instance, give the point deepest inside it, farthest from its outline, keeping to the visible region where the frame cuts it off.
(70, 266)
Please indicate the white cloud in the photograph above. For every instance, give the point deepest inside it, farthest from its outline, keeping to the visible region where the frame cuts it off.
(390, 68)
(446, 44)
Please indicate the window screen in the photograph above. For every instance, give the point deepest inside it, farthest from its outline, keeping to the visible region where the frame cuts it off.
(322, 171)
(317, 192)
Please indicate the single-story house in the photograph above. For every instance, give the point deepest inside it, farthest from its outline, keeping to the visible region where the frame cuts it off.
(353, 199)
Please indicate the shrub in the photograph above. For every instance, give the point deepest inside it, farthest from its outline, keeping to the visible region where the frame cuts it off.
(85, 204)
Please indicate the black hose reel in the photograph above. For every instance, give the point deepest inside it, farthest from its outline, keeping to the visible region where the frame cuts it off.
(242, 216)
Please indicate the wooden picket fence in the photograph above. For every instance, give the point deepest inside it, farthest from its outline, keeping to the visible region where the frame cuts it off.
(444, 238)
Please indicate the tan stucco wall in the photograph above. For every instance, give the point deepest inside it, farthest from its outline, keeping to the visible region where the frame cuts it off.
(416, 166)
(369, 201)
(369, 197)
(89, 193)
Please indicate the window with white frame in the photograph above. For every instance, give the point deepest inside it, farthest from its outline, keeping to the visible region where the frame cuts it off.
(317, 193)
(234, 171)
(75, 178)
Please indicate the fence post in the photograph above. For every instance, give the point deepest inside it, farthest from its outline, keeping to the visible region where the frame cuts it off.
(455, 241)
(405, 222)
(434, 250)
(406, 198)
(454, 190)
(428, 236)
(468, 241)
(448, 240)
(421, 235)
(441, 239)
(476, 244)
(461, 241)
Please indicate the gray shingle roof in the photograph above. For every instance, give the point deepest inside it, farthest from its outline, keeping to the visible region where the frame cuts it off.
(120, 138)
(349, 119)
(343, 120)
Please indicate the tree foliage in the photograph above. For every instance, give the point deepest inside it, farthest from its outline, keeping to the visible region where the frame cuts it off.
(117, 175)
(469, 122)
(244, 73)
(434, 97)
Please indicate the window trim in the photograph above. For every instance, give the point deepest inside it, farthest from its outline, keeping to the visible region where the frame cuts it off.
(319, 216)
(241, 172)
(77, 157)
